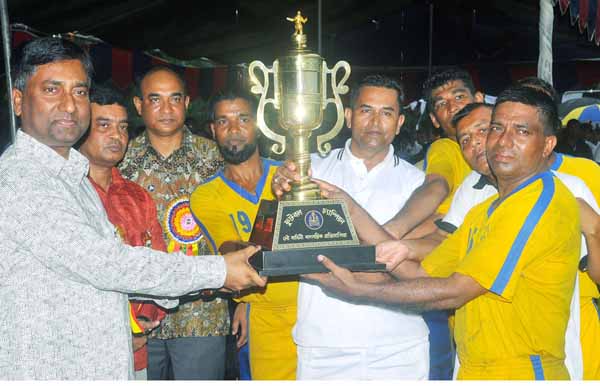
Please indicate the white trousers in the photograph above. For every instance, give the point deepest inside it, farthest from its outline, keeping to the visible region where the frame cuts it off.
(408, 361)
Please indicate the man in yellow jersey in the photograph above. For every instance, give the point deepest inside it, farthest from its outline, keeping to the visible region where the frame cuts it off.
(509, 270)
(225, 207)
(470, 124)
(446, 93)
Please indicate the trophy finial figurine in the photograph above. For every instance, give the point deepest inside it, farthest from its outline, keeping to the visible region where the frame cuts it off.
(298, 21)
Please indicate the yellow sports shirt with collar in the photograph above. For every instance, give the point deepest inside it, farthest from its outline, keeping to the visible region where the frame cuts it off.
(524, 250)
(445, 158)
(225, 211)
(589, 172)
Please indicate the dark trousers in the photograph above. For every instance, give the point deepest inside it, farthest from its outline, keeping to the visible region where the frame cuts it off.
(441, 347)
(190, 358)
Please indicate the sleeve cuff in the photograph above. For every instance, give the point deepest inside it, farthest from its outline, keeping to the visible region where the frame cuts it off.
(445, 226)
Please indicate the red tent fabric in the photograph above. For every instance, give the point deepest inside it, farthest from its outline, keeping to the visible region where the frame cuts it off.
(586, 13)
(123, 66)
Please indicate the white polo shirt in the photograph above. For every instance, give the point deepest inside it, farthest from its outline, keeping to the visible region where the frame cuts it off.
(474, 190)
(326, 321)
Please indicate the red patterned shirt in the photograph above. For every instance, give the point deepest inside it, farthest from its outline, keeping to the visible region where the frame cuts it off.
(133, 212)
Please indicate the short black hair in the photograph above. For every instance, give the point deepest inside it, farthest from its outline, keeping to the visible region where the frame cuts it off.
(103, 94)
(107, 94)
(541, 85)
(468, 109)
(573, 123)
(229, 95)
(46, 50)
(377, 80)
(442, 77)
(546, 108)
(153, 70)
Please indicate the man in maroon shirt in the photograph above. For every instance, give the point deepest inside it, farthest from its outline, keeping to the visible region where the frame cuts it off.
(128, 206)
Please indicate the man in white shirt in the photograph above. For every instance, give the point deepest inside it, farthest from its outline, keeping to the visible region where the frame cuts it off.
(338, 339)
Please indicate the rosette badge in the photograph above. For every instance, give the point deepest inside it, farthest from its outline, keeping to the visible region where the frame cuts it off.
(181, 228)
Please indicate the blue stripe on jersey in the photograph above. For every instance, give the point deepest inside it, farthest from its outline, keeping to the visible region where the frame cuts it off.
(538, 369)
(206, 234)
(253, 198)
(557, 161)
(524, 233)
(522, 185)
(595, 303)
(426, 157)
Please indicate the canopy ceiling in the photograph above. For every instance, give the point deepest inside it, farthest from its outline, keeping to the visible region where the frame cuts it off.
(366, 33)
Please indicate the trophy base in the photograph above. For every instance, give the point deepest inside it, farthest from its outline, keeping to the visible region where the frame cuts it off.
(293, 233)
(301, 261)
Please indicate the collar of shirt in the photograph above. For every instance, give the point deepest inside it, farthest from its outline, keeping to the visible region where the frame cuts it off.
(482, 182)
(358, 164)
(146, 146)
(73, 169)
(117, 180)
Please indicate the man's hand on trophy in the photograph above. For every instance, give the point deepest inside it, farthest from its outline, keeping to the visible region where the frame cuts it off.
(285, 174)
(240, 274)
(392, 253)
(342, 281)
(338, 280)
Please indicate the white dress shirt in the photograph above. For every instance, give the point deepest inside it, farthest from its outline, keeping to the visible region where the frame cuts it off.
(65, 273)
(326, 321)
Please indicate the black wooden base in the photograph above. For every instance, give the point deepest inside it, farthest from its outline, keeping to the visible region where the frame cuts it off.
(300, 261)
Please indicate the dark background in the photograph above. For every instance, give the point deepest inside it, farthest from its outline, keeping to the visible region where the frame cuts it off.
(374, 36)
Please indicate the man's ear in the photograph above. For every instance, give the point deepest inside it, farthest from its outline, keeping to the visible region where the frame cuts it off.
(434, 120)
(212, 130)
(186, 101)
(137, 102)
(401, 120)
(479, 97)
(549, 144)
(348, 116)
(17, 101)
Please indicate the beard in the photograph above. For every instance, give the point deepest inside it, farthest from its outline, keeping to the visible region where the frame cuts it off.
(236, 155)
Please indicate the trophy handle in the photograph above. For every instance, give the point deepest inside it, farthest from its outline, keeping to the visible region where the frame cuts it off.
(323, 145)
(258, 88)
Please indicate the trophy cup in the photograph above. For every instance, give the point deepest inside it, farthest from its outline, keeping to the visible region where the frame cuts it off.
(295, 230)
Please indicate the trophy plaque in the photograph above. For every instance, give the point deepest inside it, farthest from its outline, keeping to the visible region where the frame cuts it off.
(293, 231)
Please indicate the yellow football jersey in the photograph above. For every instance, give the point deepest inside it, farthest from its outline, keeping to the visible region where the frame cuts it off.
(524, 249)
(225, 211)
(589, 172)
(445, 158)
